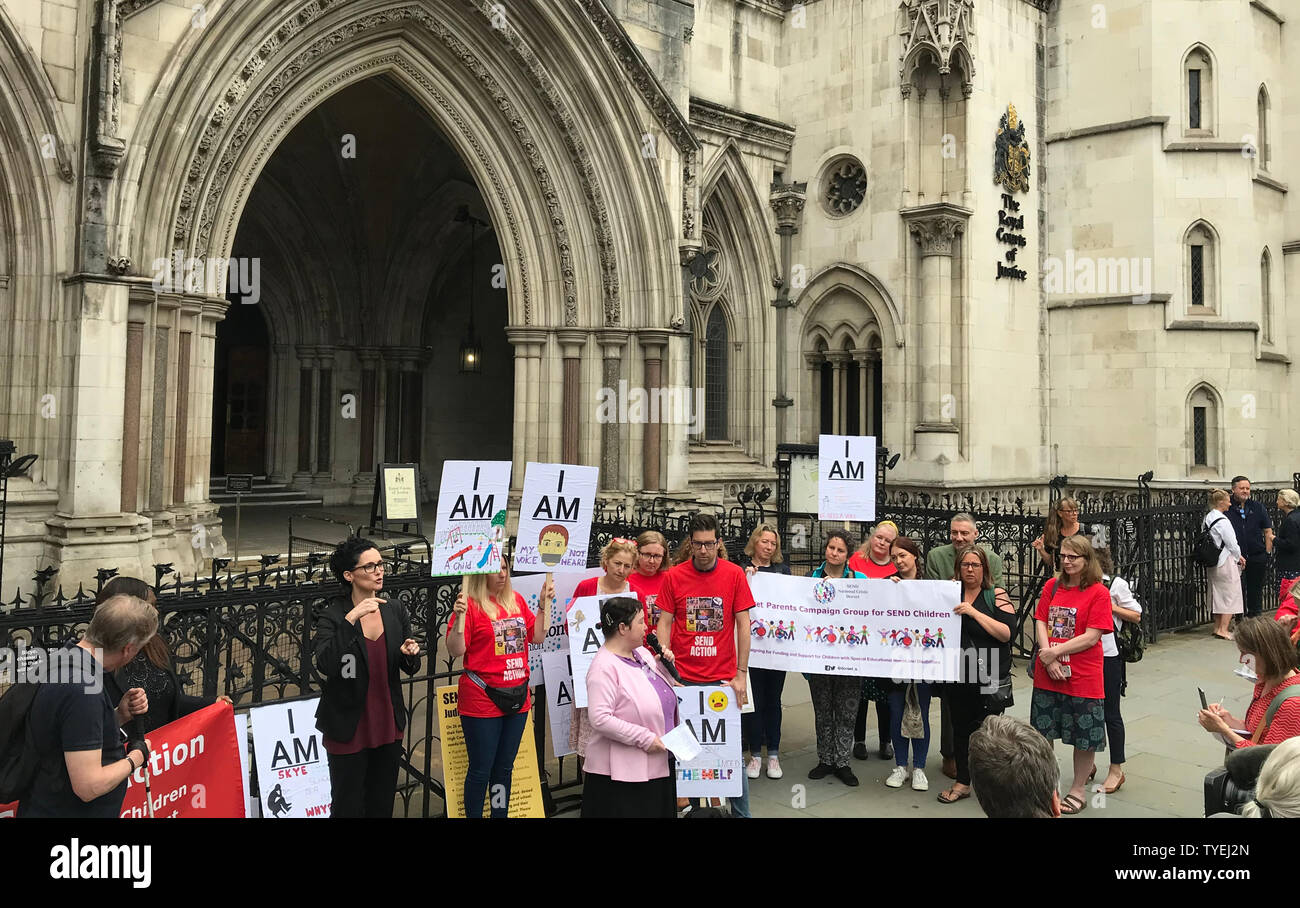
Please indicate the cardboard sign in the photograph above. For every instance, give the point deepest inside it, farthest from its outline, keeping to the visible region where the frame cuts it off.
(714, 718)
(471, 517)
(558, 668)
(846, 477)
(293, 774)
(557, 630)
(586, 639)
(555, 517)
(525, 785)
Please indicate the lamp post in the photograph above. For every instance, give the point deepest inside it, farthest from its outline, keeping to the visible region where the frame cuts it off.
(471, 350)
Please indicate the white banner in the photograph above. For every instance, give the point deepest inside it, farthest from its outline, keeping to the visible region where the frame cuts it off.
(555, 517)
(712, 714)
(241, 737)
(586, 639)
(293, 775)
(846, 477)
(559, 699)
(874, 628)
(471, 517)
(557, 630)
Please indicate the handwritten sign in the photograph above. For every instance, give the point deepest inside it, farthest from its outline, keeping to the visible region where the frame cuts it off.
(846, 477)
(555, 517)
(471, 517)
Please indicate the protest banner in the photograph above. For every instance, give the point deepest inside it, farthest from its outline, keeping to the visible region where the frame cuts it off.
(874, 628)
(293, 776)
(846, 477)
(241, 741)
(193, 769)
(714, 717)
(557, 630)
(586, 639)
(559, 699)
(471, 523)
(555, 517)
(525, 784)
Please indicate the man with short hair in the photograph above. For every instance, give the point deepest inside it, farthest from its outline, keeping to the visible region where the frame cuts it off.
(74, 726)
(1013, 770)
(704, 621)
(941, 564)
(1255, 536)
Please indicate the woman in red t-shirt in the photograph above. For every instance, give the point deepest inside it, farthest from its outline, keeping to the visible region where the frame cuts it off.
(491, 626)
(873, 559)
(1267, 650)
(1069, 687)
(651, 569)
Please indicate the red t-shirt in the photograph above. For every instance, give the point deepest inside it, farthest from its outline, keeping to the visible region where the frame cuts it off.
(497, 651)
(869, 568)
(648, 588)
(704, 607)
(1286, 721)
(1071, 613)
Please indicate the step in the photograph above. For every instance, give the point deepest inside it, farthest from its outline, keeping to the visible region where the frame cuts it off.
(297, 501)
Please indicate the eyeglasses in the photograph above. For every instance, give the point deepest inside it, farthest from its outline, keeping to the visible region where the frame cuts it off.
(1065, 557)
(649, 557)
(369, 569)
(712, 543)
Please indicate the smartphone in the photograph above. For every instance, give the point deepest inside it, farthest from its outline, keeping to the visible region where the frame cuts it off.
(1204, 704)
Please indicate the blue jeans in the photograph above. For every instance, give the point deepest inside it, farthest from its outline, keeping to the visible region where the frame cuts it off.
(763, 725)
(492, 744)
(740, 805)
(920, 747)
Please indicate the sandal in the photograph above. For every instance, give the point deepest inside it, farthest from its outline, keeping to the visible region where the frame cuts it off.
(1110, 790)
(1071, 805)
(952, 795)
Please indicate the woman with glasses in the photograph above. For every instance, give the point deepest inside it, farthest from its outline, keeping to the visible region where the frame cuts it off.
(492, 627)
(651, 569)
(1062, 523)
(1069, 679)
(835, 697)
(360, 641)
(763, 725)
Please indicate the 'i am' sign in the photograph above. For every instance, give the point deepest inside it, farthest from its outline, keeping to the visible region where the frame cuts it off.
(555, 517)
(471, 517)
(846, 477)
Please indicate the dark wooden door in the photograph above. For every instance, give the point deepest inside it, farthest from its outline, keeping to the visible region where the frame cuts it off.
(246, 410)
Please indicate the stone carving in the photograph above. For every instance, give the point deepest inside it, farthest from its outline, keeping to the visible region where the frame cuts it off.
(936, 233)
(845, 186)
(722, 119)
(946, 29)
(787, 200)
(119, 265)
(689, 196)
(1011, 153)
(708, 268)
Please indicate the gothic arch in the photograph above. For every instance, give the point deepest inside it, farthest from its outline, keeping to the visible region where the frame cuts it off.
(859, 283)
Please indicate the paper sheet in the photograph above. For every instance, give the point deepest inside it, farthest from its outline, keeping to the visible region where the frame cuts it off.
(683, 743)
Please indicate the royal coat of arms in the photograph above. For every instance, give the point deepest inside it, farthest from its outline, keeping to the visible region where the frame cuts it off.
(1011, 153)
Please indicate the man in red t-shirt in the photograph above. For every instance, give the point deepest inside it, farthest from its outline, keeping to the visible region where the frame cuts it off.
(704, 615)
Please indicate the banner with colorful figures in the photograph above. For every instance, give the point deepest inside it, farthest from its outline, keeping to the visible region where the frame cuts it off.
(471, 524)
(874, 628)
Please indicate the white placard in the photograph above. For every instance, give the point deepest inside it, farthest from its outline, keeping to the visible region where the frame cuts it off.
(559, 699)
(241, 739)
(846, 477)
(714, 719)
(873, 628)
(293, 775)
(555, 517)
(586, 639)
(471, 517)
(557, 630)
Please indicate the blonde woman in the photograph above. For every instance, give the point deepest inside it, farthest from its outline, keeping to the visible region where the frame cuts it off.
(873, 558)
(763, 725)
(1225, 577)
(492, 627)
(1062, 523)
(1277, 792)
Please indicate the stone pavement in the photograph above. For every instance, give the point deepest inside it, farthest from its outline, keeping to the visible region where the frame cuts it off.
(1168, 753)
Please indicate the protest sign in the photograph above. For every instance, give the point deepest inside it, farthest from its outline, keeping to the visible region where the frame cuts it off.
(846, 477)
(471, 517)
(873, 628)
(525, 784)
(557, 630)
(559, 699)
(555, 517)
(293, 775)
(241, 741)
(585, 640)
(193, 769)
(714, 718)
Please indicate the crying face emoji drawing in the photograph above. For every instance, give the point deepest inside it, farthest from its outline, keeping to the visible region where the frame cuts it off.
(717, 701)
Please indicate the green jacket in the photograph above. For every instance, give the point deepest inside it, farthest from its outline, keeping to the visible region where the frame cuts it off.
(940, 563)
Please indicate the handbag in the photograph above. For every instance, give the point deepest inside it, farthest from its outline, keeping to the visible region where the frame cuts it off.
(1001, 697)
(913, 724)
(509, 700)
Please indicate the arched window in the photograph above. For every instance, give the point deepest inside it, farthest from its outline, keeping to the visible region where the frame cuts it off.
(715, 375)
(1198, 92)
(1266, 296)
(1200, 267)
(1203, 430)
(1261, 139)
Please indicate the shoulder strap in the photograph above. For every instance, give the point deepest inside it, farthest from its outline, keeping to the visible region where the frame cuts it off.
(1274, 705)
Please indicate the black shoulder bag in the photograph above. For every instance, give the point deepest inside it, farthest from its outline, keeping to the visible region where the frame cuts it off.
(1033, 656)
(1001, 697)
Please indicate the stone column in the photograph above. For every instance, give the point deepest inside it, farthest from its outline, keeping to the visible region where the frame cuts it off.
(367, 407)
(571, 341)
(839, 362)
(158, 422)
(306, 414)
(654, 344)
(528, 343)
(787, 200)
(131, 418)
(864, 405)
(612, 343)
(323, 408)
(280, 413)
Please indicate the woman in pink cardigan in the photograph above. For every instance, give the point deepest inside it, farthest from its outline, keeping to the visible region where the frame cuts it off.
(630, 704)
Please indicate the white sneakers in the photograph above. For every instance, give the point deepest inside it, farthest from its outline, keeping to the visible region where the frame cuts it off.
(897, 777)
(755, 763)
(752, 767)
(773, 768)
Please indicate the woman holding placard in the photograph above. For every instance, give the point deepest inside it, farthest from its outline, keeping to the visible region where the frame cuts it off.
(630, 705)
(835, 697)
(492, 627)
(763, 725)
(906, 556)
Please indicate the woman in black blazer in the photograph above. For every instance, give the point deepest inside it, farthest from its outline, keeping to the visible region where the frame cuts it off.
(361, 713)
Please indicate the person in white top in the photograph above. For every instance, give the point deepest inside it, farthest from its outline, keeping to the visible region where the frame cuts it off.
(1225, 578)
(1124, 607)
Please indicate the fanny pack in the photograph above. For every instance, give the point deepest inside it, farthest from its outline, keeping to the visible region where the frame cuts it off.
(509, 700)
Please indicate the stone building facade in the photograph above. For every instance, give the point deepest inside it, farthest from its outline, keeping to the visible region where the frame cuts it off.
(1010, 238)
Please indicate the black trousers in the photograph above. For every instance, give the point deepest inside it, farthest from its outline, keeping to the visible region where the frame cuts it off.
(966, 704)
(882, 722)
(365, 782)
(1252, 584)
(1113, 671)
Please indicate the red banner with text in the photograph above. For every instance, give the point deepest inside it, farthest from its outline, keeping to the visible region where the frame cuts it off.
(193, 768)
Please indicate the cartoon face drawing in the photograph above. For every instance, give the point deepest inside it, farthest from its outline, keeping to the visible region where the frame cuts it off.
(717, 701)
(552, 543)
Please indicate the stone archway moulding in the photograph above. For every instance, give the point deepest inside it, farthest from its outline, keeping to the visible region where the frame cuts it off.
(861, 284)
